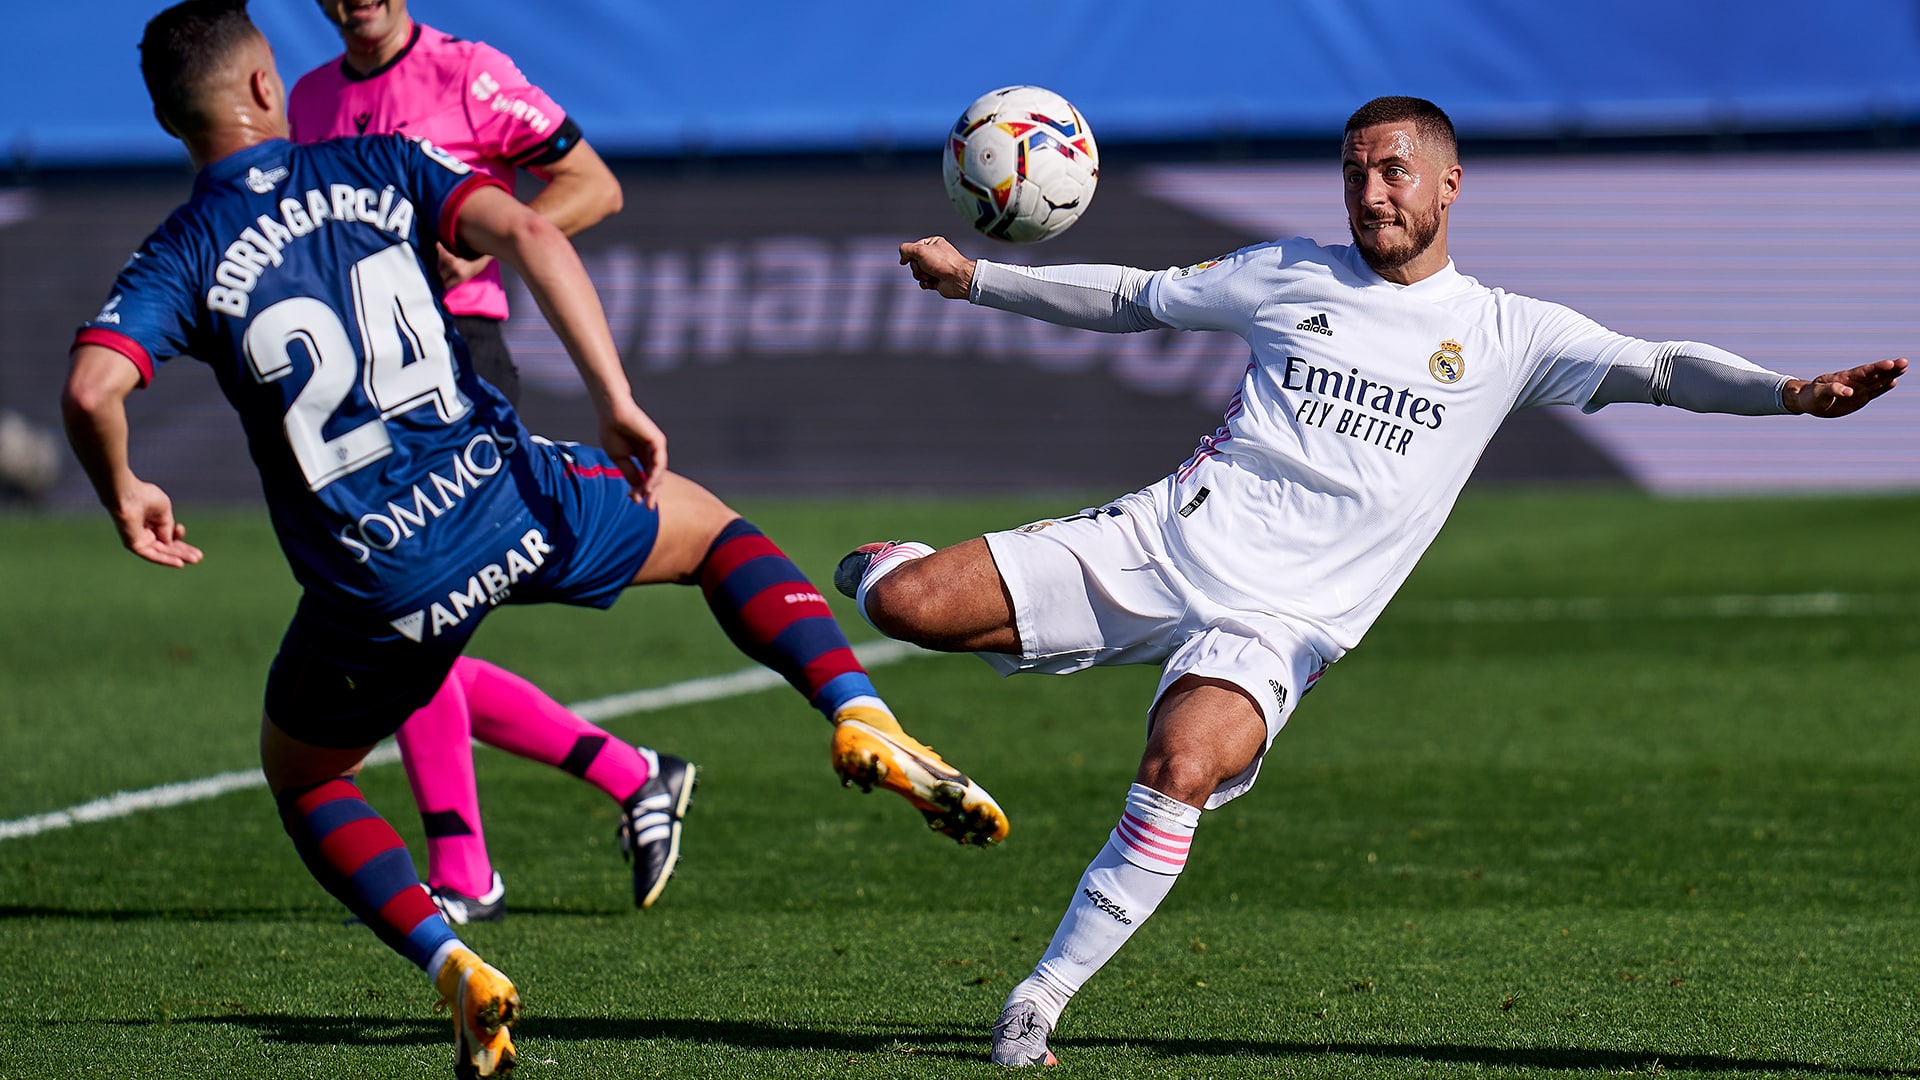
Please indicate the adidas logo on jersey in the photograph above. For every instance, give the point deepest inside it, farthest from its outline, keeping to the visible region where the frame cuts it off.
(1317, 324)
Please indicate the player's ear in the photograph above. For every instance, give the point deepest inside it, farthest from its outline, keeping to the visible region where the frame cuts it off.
(264, 87)
(1450, 185)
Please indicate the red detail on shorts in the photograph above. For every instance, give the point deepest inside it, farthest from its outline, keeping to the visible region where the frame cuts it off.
(120, 343)
(450, 210)
(735, 553)
(594, 472)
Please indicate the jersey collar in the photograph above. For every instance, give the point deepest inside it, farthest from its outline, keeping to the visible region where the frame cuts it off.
(241, 162)
(353, 75)
(1445, 280)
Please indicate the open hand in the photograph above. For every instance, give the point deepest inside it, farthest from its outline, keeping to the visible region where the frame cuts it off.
(144, 516)
(1842, 392)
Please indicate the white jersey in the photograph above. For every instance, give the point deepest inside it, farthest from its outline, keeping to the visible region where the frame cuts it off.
(1364, 408)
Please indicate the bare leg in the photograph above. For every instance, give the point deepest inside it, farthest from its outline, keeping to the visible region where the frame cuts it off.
(953, 600)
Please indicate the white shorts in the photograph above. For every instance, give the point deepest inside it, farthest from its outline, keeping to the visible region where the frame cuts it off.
(1098, 589)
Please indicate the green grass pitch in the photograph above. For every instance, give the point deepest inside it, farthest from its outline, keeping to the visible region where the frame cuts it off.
(1591, 800)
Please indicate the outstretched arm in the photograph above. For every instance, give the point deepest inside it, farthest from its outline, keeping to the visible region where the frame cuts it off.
(1102, 297)
(1702, 378)
(494, 222)
(1840, 393)
(94, 405)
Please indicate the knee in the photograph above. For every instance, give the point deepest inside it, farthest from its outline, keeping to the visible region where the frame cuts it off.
(904, 604)
(1185, 777)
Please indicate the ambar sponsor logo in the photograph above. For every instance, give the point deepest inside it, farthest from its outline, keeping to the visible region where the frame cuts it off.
(486, 588)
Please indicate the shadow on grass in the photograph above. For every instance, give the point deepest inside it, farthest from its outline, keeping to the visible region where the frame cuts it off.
(969, 1044)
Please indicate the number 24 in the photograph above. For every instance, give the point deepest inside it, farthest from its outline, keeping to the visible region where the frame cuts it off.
(408, 363)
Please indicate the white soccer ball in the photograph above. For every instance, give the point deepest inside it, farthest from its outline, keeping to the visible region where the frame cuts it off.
(1021, 164)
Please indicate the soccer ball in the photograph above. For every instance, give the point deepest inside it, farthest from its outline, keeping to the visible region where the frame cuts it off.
(1021, 164)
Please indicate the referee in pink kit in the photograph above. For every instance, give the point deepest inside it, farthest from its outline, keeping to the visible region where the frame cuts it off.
(469, 99)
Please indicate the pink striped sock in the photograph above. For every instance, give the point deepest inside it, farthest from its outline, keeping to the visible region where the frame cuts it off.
(516, 716)
(1123, 885)
(436, 747)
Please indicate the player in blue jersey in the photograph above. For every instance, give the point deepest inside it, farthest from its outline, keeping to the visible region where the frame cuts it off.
(405, 493)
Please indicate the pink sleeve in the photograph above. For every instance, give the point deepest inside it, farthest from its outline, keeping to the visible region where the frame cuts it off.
(511, 118)
(296, 108)
(306, 106)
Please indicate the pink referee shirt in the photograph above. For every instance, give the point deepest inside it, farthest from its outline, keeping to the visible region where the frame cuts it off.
(462, 96)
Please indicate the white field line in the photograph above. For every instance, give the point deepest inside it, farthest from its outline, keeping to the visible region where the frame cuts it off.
(872, 654)
(1596, 609)
(879, 653)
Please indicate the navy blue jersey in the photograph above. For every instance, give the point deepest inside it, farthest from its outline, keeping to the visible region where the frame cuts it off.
(306, 277)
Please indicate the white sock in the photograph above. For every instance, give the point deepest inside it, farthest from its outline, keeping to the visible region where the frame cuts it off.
(891, 558)
(439, 959)
(1122, 886)
(867, 701)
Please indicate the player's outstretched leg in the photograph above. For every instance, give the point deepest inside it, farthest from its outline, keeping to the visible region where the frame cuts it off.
(774, 614)
(1121, 888)
(512, 714)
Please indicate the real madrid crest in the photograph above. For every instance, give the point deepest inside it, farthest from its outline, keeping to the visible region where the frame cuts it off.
(1447, 365)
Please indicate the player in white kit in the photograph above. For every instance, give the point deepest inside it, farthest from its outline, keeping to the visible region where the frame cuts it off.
(1378, 374)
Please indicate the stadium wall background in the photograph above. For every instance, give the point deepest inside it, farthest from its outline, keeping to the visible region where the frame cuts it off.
(1671, 170)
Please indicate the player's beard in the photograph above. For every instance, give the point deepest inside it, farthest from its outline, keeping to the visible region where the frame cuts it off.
(1421, 232)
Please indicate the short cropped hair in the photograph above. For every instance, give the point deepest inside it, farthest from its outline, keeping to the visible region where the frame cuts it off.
(1432, 124)
(182, 47)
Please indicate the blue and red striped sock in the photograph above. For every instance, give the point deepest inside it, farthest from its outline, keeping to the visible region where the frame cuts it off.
(355, 855)
(775, 615)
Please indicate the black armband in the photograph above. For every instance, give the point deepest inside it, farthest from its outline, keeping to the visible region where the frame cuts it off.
(557, 146)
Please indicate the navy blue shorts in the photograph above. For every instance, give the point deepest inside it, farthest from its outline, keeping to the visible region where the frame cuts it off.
(348, 675)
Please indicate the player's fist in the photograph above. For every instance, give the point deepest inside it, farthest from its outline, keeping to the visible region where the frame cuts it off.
(938, 266)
